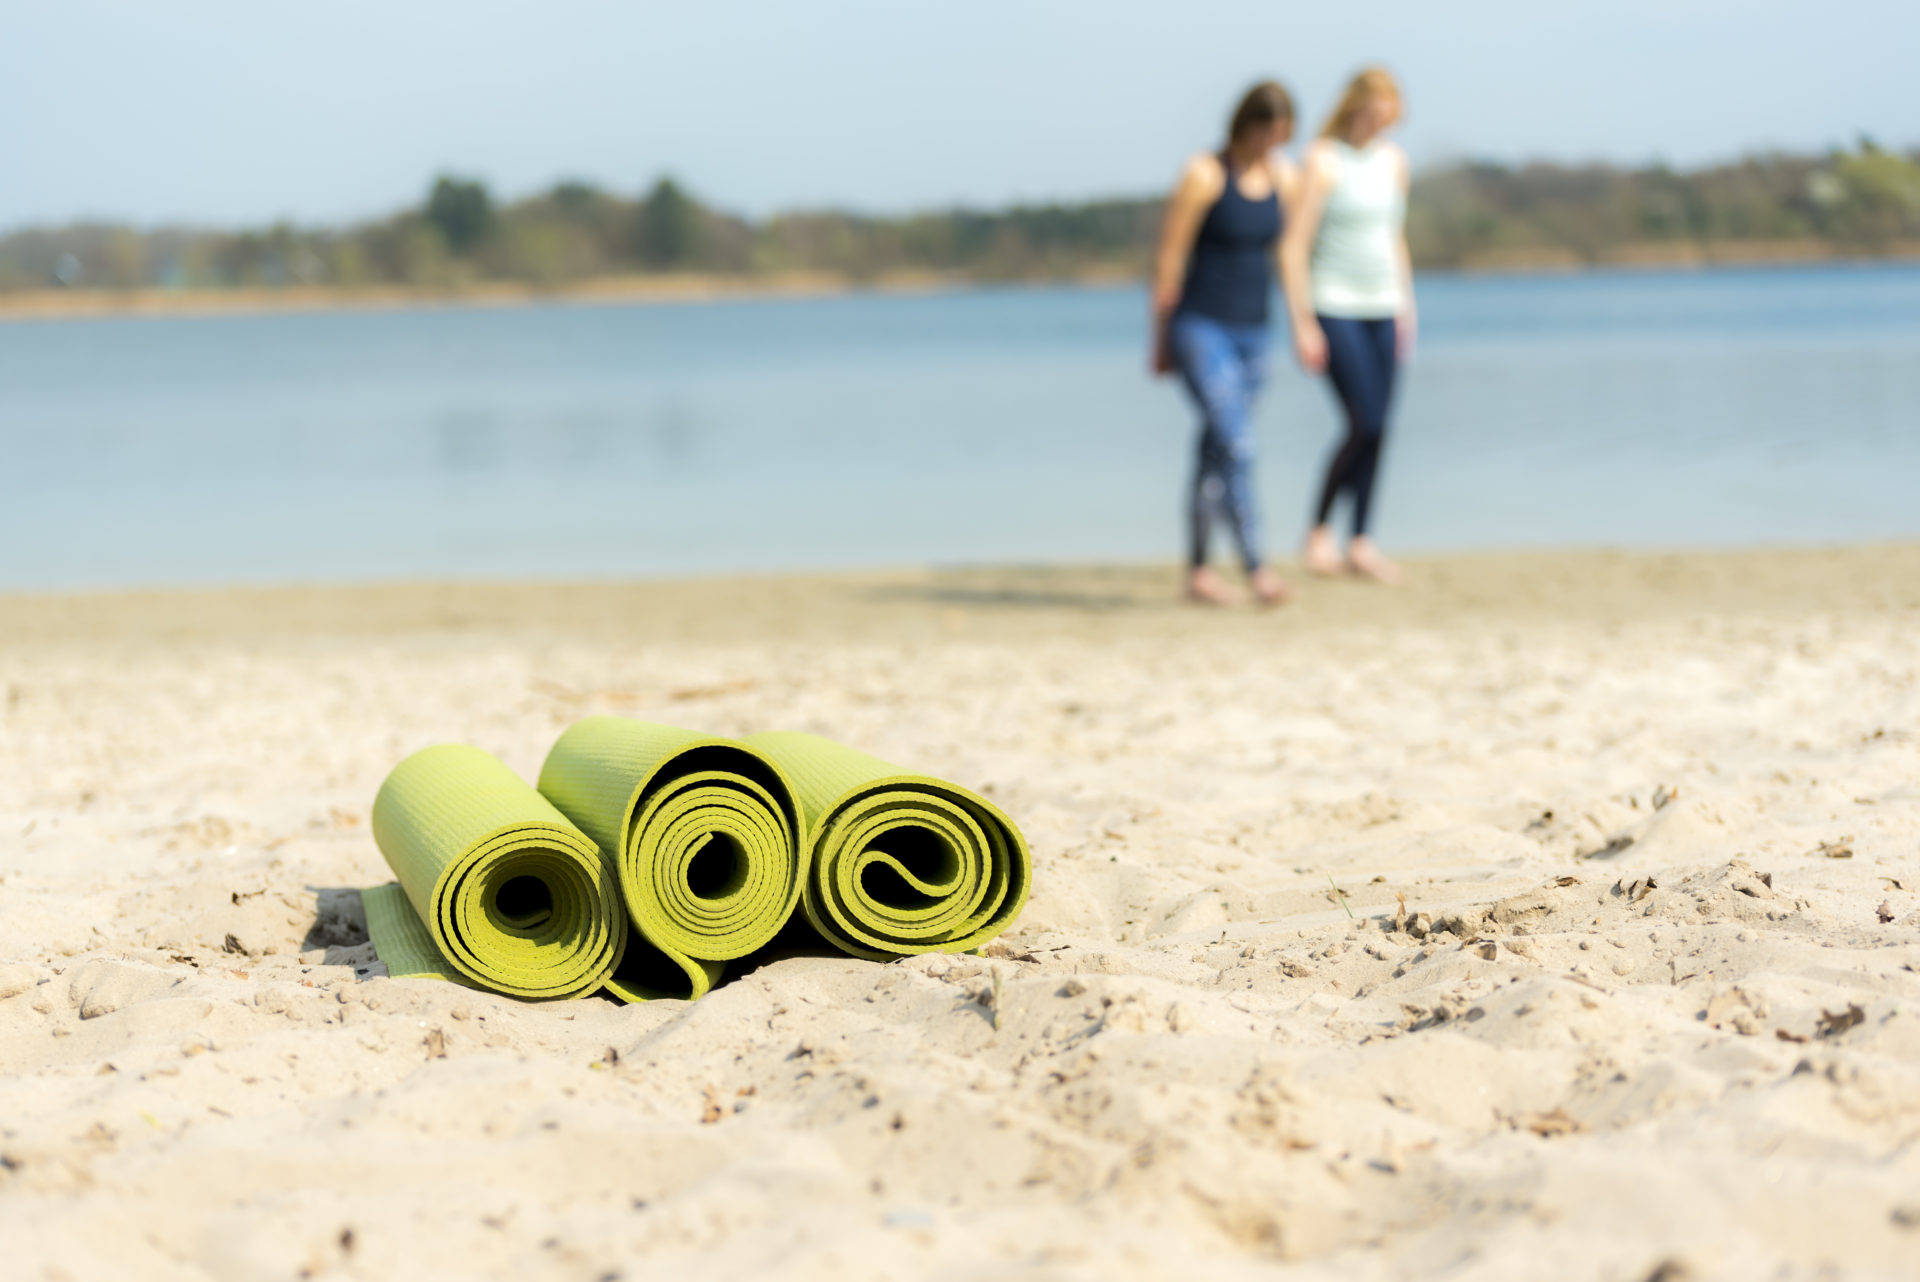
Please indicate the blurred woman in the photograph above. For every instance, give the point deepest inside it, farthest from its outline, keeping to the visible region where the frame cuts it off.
(1213, 276)
(1350, 296)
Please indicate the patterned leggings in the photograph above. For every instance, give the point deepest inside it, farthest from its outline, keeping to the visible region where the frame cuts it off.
(1223, 365)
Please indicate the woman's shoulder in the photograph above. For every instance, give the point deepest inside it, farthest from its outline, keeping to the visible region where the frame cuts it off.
(1204, 173)
(1322, 156)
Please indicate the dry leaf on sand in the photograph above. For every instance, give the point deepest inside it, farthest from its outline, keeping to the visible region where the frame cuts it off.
(1832, 1025)
(1555, 1122)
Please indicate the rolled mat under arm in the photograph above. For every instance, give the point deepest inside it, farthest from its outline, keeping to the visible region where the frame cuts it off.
(901, 863)
(496, 886)
(707, 837)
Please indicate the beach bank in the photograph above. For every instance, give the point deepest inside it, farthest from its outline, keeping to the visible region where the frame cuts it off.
(673, 287)
(1557, 914)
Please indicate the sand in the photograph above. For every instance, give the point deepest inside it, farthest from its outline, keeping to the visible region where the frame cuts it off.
(1651, 1009)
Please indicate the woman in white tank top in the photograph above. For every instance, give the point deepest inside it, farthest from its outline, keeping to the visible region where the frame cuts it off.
(1349, 290)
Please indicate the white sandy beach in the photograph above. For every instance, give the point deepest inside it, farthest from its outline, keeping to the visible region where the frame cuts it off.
(1651, 1011)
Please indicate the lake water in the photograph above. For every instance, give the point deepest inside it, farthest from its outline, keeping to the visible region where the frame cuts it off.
(1627, 409)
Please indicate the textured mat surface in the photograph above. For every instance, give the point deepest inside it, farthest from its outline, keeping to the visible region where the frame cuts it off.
(901, 863)
(492, 878)
(706, 834)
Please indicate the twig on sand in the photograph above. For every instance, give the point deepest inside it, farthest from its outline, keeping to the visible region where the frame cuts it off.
(1340, 896)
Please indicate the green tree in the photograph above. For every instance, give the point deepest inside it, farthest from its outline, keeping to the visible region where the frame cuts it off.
(422, 257)
(576, 199)
(1879, 196)
(462, 212)
(669, 226)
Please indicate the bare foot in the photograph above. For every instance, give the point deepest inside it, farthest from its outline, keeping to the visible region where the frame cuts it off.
(1268, 587)
(1321, 555)
(1204, 587)
(1368, 563)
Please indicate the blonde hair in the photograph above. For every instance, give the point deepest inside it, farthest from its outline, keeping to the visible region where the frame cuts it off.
(1369, 83)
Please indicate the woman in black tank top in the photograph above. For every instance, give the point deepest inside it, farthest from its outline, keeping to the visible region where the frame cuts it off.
(1213, 279)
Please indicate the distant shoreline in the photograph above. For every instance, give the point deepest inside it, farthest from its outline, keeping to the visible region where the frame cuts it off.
(93, 304)
(1678, 256)
(87, 304)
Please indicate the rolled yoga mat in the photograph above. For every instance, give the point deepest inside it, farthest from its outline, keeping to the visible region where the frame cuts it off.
(496, 888)
(901, 863)
(706, 835)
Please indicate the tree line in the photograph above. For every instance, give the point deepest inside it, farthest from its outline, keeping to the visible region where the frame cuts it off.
(1861, 201)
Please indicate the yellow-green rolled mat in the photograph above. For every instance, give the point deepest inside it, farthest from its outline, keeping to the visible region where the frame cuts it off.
(706, 835)
(496, 887)
(902, 863)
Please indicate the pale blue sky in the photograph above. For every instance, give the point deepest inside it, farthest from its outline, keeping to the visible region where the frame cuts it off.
(244, 110)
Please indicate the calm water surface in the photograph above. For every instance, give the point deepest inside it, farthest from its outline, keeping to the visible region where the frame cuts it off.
(1616, 409)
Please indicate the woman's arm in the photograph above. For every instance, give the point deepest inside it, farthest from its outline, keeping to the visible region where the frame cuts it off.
(1407, 323)
(1296, 246)
(1200, 185)
(1286, 180)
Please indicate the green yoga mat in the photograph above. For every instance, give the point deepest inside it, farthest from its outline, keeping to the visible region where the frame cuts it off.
(901, 863)
(496, 887)
(707, 837)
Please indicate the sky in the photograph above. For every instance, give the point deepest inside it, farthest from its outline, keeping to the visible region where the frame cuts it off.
(236, 112)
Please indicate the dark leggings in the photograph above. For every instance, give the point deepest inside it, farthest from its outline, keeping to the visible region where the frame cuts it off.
(1360, 365)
